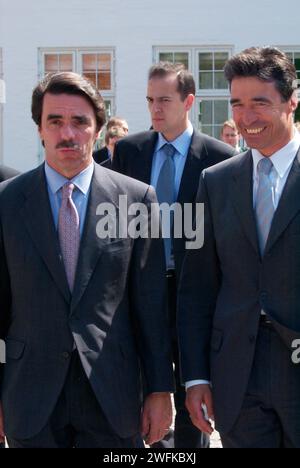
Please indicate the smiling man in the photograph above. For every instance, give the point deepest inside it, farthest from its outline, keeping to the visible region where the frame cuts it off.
(239, 301)
(79, 314)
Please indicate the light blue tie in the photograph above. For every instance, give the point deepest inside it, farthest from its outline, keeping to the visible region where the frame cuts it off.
(165, 190)
(264, 208)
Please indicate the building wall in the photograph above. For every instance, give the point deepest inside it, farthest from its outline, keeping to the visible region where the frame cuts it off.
(133, 28)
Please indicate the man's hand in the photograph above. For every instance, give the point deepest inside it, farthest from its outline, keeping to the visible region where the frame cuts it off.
(156, 417)
(196, 396)
(2, 435)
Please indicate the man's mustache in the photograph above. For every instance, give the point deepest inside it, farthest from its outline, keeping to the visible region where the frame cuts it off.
(67, 144)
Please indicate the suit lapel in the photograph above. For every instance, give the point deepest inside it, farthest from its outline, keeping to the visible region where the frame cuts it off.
(288, 206)
(38, 219)
(194, 165)
(91, 246)
(242, 197)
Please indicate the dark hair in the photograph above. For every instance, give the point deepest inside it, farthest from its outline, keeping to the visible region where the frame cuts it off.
(185, 80)
(67, 83)
(267, 64)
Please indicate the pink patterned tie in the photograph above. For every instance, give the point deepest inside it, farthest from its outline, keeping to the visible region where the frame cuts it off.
(69, 233)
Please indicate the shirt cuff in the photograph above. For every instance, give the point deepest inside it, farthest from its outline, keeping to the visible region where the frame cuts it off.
(191, 383)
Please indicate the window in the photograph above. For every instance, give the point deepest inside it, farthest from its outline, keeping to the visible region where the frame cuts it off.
(212, 92)
(210, 70)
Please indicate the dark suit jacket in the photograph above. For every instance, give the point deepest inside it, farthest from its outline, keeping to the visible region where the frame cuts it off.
(107, 164)
(101, 155)
(134, 154)
(226, 284)
(7, 173)
(116, 315)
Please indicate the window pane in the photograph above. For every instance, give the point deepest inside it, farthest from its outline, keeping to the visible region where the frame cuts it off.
(51, 63)
(297, 63)
(92, 77)
(221, 112)
(89, 62)
(182, 57)
(166, 57)
(207, 129)
(206, 112)
(104, 81)
(205, 61)
(297, 114)
(108, 109)
(65, 62)
(104, 62)
(220, 81)
(220, 60)
(217, 131)
(206, 80)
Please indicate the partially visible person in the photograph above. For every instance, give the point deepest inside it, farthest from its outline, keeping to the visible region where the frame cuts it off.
(7, 173)
(112, 135)
(83, 314)
(104, 153)
(297, 125)
(230, 135)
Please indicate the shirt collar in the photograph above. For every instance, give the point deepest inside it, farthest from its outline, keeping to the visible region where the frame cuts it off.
(181, 143)
(82, 180)
(282, 159)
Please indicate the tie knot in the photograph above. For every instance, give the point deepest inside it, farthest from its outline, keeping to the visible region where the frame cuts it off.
(169, 150)
(67, 190)
(265, 166)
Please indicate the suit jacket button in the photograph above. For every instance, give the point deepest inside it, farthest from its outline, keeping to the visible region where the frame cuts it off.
(65, 355)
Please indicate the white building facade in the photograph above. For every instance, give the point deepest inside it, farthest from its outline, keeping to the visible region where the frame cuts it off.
(114, 42)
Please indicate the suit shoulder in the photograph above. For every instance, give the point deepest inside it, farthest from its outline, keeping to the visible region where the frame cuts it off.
(7, 173)
(137, 139)
(212, 144)
(227, 166)
(12, 187)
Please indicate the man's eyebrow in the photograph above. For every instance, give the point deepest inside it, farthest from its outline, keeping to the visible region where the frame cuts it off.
(255, 99)
(54, 116)
(261, 99)
(159, 97)
(81, 118)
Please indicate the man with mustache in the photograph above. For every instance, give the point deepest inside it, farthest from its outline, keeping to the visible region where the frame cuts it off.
(82, 315)
(239, 298)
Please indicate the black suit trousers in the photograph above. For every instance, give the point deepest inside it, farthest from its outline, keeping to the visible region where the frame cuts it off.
(186, 435)
(269, 417)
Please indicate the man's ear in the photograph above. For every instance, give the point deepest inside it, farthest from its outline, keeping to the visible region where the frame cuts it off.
(189, 101)
(294, 101)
